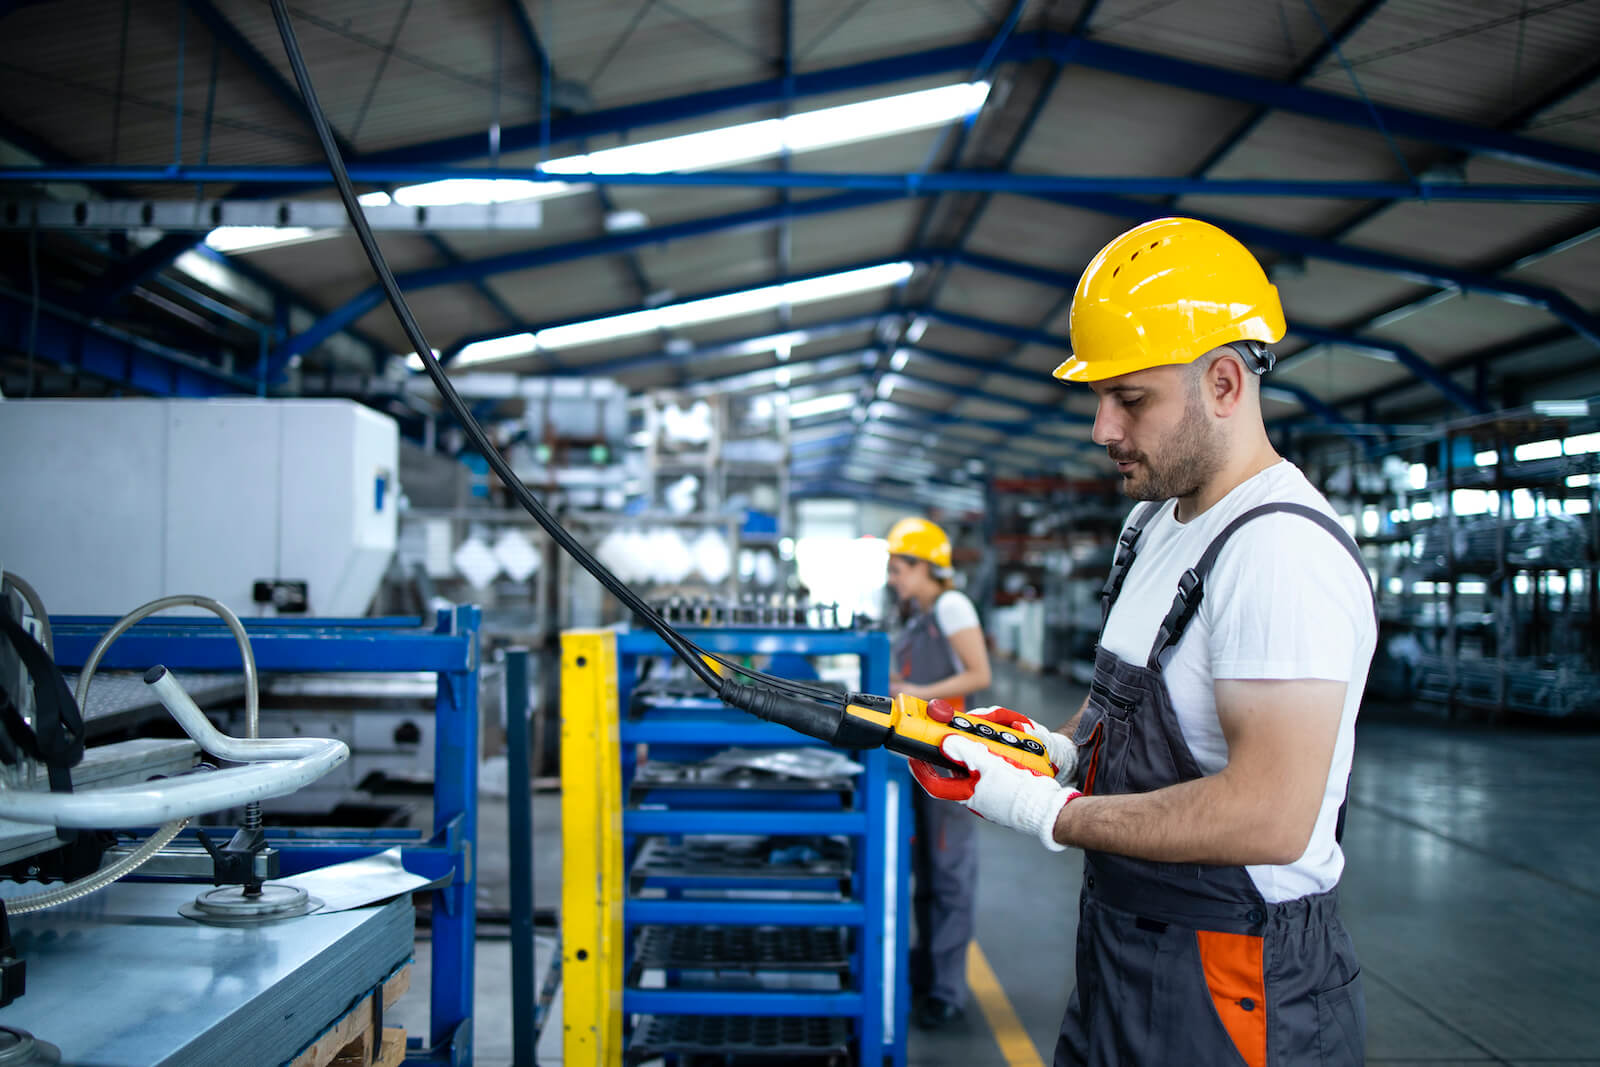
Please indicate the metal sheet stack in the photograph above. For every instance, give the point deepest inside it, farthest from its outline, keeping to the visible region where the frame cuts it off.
(118, 978)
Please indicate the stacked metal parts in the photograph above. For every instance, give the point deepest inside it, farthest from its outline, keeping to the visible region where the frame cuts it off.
(762, 887)
(776, 610)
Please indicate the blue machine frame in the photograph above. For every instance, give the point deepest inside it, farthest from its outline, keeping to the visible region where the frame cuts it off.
(879, 820)
(451, 651)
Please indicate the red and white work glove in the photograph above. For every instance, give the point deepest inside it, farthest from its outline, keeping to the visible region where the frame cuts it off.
(1005, 793)
(1059, 749)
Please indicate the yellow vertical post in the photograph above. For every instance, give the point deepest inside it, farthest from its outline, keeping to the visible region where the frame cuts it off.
(591, 843)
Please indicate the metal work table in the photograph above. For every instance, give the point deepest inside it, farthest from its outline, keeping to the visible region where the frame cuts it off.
(119, 978)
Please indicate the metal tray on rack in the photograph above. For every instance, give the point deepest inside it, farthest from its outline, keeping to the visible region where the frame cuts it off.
(742, 1039)
(663, 864)
(661, 775)
(744, 949)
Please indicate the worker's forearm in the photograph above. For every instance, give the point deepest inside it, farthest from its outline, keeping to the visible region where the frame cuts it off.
(1212, 820)
(957, 685)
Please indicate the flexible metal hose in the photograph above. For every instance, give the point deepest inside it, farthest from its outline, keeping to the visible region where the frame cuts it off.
(159, 840)
(99, 879)
(252, 693)
(31, 595)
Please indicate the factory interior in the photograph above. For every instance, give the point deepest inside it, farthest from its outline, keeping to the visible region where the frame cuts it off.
(609, 532)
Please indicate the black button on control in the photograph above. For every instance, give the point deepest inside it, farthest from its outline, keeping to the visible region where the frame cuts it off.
(960, 723)
(985, 730)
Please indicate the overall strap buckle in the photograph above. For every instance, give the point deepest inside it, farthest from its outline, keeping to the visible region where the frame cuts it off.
(1191, 589)
(1127, 551)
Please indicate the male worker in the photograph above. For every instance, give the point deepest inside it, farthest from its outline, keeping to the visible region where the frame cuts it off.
(938, 653)
(1214, 749)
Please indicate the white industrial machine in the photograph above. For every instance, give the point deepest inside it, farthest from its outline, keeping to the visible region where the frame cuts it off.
(270, 506)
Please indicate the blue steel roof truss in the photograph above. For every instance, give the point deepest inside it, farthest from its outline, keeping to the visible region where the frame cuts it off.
(1003, 47)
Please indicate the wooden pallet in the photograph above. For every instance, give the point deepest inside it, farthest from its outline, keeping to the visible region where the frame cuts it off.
(359, 1038)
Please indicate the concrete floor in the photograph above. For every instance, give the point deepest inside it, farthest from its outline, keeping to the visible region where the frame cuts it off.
(1471, 891)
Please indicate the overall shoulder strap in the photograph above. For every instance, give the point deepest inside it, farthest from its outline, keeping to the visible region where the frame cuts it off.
(1122, 560)
(1191, 587)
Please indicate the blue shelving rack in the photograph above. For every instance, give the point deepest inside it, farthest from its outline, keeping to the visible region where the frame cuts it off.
(876, 817)
(450, 650)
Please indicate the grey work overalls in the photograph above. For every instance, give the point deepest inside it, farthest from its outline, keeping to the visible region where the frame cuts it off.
(1183, 964)
(944, 849)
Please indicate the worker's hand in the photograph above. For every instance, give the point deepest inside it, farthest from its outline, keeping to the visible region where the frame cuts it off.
(1007, 794)
(1060, 750)
(909, 689)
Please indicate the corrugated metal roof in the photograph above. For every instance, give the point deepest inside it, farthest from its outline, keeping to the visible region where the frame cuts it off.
(1464, 59)
(440, 77)
(1100, 123)
(1329, 294)
(1261, 37)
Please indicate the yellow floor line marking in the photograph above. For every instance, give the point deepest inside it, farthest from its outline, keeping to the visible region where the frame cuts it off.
(1015, 1044)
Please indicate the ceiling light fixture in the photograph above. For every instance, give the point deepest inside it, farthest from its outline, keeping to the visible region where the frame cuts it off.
(728, 146)
(688, 313)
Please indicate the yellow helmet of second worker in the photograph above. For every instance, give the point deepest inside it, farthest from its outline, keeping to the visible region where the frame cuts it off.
(920, 539)
(1167, 292)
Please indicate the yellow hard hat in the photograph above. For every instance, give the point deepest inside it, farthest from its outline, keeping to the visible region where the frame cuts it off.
(1166, 292)
(920, 539)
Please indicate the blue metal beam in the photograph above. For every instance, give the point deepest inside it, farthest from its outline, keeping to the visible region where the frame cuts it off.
(1331, 107)
(914, 183)
(122, 279)
(1308, 400)
(453, 258)
(122, 359)
(1020, 334)
(1557, 303)
(1039, 414)
(1403, 354)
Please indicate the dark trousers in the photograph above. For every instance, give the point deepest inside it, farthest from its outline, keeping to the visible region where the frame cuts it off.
(944, 867)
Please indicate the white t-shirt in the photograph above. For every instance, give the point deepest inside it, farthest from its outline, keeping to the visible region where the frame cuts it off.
(954, 612)
(1283, 601)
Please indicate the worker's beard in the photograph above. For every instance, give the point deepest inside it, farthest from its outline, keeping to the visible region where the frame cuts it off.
(1188, 460)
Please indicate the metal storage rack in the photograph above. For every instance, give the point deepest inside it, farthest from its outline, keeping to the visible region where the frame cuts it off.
(752, 962)
(451, 651)
(1527, 642)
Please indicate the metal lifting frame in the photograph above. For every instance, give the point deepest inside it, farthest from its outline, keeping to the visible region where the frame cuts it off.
(449, 650)
(601, 920)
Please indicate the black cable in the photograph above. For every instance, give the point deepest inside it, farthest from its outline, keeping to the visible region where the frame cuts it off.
(685, 649)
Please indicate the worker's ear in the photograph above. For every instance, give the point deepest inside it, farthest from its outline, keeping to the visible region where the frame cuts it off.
(1224, 384)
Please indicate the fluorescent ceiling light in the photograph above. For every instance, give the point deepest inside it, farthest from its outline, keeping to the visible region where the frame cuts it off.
(230, 239)
(821, 405)
(730, 146)
(691, 313)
